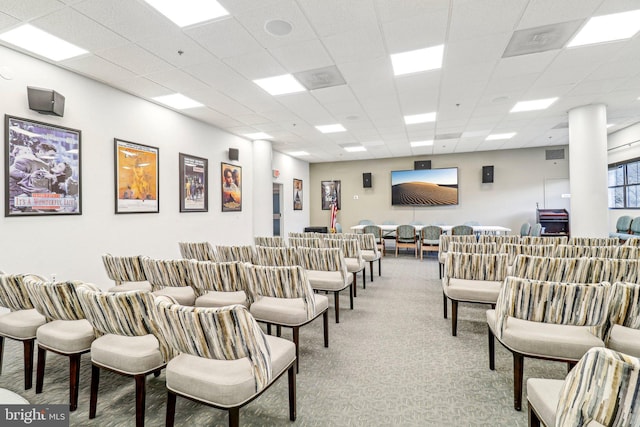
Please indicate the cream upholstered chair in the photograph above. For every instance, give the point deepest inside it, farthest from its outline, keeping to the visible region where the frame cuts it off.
(370, 253)
(429, 239)
(170, 277)
(406, 237)
(219, 284)
(243, 253)
(283, 296)
(473, 248)
(126, 272)
(500, 239)
(128, 342)
(544, 240)
(272, 241)
(377, 234)
(22, 321)
(327, 271)
(593, 241)
(279, 256)
(224, 361)
(201, 251)
(623, 331)
(353, 258)
(601, 390)
(531, 320)
(66, 332)
(443, 248)
(306, 242)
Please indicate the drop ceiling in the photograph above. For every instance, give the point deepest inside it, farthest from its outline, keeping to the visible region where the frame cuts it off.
(134, 48)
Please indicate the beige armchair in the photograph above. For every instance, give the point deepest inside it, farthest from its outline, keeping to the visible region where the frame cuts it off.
(201, 251)
(126, 272)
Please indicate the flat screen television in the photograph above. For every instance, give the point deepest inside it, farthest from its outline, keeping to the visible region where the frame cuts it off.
(424, 187)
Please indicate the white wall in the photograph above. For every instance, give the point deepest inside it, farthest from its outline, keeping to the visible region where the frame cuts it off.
(71, 246)
(619, 151)
(289, 169)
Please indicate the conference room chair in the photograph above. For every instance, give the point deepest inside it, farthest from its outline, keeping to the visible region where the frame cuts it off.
(525, 229)
(406, 237)
(66, 332)
(244, 253)
(544, 240)
(219, 284)
(377, 234)
(634, 230)
(129, 344)
(429, 239)
(499, 239)
(170, 277)
(276, 256)
(389, 235)
(201, 251)
(223, 367)
(338, 227)
(443, 247)
(21, 322)
(530, 321)
(623, 225)
(365, 222)
(601, 390)
(370, 252)
(536, 230)
(593, 241)
(272, 241)
(352, 256)
(126, 272)
(461, 230)
(283, 296)
(623, 329)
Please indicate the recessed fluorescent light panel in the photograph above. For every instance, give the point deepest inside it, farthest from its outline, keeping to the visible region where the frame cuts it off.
(354, 148)
(498, 136)
(298, 153)
(188, 12)
(331, 128)
(607, 28)
(414, 61)
(178, 101)
(420, 118)
(421, 143)
(536, 104)
(41, 43)
(258, 135)
(280, 85)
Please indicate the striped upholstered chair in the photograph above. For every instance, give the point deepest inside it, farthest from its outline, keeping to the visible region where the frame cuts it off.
(271, 241)
(353, 258)
(201, 251)
(593, 241)
(443, 247)
(224, 361)
(306, 242)
(219, 284)
(623, 331)
(66, 332)
(283, 296)
(279, 256)
(126, 272)
(370, 252)
(243, 253)
(129, 342)
(602, 390)
(170, 277)
(530, 320)
(21, 322)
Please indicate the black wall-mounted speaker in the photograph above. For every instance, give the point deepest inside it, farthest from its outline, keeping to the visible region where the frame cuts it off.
(45, 101)
(234, 154)
(487, 174)
(422, 164)
(366, 180)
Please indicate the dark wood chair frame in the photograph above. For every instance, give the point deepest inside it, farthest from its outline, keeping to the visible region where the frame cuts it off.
(74, 373)
(28, 358)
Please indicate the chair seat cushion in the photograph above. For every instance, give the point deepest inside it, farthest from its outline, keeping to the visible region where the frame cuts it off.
(285, 311)
(565, 342)
(485, 291)
(370, 255)
(129, 355)
(544, 395)
(221, 299)
(625, 340)
(131, 286)
(224, 383)
(184, 295)
(21, 324)
(66, 336)
(328, 280)
(353, 265)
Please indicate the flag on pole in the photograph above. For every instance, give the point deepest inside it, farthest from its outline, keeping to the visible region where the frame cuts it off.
(334, 212)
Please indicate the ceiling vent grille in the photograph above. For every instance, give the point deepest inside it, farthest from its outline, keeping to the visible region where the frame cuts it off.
(557, 154)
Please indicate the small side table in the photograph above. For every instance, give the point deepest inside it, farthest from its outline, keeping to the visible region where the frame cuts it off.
(7, 397)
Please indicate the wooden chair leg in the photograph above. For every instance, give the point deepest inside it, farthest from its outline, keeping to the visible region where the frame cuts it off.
(292, 394)
(268, 328)
(570, 366)
(355, 280)
(492, 349)
(534, 421)
(1, 352)
(336, 303)
(380, 266)
(141, 394)
(518, 373)
(234, 416)
(325, 327)
(42, 357)
(278, 331)
(74, 380)
(296, 342)
(352, 293)
(93, 398)
(454, 317)
(364, 278)
(444, 304)
(371, 269)
(28, 363)
(156, 373)
(171, 409)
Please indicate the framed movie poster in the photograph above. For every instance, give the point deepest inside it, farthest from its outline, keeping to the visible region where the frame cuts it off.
(137, 182)
(330, 194)
(42, 169)
(297, 194)
(194, 185)
(231, 187)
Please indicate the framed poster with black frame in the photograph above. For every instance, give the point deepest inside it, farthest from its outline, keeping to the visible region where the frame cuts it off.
(194, 183)
(330, 194)
(42, 169)
(231, 187)
(137, 178)
(297, 194)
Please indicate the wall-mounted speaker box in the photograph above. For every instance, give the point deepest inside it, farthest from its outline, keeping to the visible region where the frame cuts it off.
(422, 164)
(366, 180)
(234, 154)
(487, 174)
(45, 101)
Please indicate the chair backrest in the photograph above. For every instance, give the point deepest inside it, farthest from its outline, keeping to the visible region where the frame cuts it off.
(225, 333)
(365, 222)
(625, 305)
(276, 256)
(272, 241)
(623, 224)
(123, 269)
(573, 270)
(163, 273)
(445, 239)
(201, 251)
(431, 235)
(304, 234)
(323, 259)
(350, 248)
(338, 227)
(56, 300)
(593, 241)
(525, 229)
(406, 233)
(613, 270)
(603, 389)
(459, 230)
(217, 276)
(473, 248)
(373, 229)
(626, 252)
(634, 228)
(469, 266)
(515, 249)
(13, 294)
(632, 241)
(306, 242)
(471, 223)
(368, 242)
(536, 230)
(543, 240)
(235, 253)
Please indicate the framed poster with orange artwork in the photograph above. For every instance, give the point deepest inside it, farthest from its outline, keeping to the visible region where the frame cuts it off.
(137, 182)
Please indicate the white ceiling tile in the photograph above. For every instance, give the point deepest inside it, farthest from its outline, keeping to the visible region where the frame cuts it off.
(135, 59)
(26, 10)
(465, 22)
(356, 45)
(255, 65)
(392, 10)
(6, 22)
(177, 49)
(224, 38)
(479, 49)
(416, 32)
(329, 17)
(98, 68)
(302, 56)
(142, 87)
(545, 12)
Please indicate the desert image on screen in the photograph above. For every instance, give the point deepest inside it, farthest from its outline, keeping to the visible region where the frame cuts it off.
(426, 188)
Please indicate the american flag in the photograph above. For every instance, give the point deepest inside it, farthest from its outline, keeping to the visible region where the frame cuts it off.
(334, 212)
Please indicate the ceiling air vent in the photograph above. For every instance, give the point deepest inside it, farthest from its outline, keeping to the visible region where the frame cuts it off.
(557, 154)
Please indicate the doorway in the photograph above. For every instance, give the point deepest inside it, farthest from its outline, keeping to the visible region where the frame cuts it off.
(278, 229)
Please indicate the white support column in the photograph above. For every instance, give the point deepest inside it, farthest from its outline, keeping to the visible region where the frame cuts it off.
(262, 189)
(588, 171)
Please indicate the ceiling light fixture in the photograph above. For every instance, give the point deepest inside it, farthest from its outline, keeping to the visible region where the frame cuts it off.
(178, 101)
(420, 118)
(41, 43)
(498, 136)
(536, 104)
(414, 61)
(331, 128)
(354, 148)
(421, 143)
(607, 28)
(257, 135)
(280, 85)
(188, 12)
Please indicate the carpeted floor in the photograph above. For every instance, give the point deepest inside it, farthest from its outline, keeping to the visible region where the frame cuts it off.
(391, 361)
